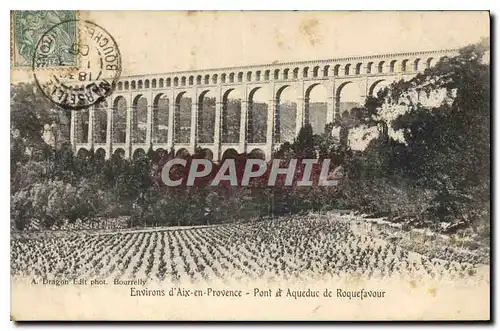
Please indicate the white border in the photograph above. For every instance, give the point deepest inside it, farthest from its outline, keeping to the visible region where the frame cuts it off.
(256, 5)
(189, 5)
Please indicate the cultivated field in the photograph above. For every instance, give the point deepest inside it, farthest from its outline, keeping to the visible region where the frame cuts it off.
(299, 248)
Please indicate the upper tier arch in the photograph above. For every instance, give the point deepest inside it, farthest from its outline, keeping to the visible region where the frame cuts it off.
(370, 65)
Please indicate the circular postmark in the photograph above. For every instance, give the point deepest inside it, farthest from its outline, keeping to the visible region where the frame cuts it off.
(80, 71)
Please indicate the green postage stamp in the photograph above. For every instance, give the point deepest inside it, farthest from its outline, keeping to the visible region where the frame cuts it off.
(28, 27)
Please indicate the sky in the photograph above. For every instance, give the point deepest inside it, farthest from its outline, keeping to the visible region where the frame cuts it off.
(170, 41)
(164, 41)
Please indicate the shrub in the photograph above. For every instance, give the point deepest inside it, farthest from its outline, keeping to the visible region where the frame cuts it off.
(52, 202)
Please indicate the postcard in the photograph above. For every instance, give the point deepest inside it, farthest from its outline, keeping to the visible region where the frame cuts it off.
(250, 165)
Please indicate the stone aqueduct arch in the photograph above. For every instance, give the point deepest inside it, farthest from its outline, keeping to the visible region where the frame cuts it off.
(215, 109)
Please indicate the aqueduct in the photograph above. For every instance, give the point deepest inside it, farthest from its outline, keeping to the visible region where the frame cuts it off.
(238, 109)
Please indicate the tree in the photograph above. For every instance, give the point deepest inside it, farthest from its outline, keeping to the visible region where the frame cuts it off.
(303, 147)
(30, 111)
(453, 137)
(447, 142)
